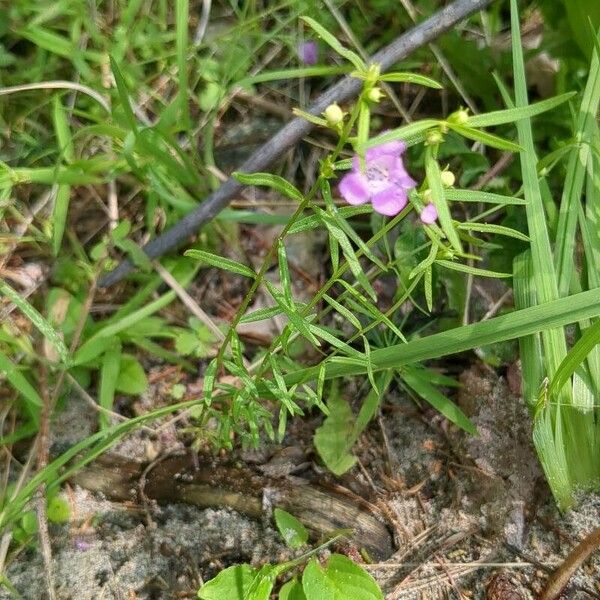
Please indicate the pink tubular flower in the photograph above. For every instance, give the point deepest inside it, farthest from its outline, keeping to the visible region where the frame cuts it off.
(384, 180)
(308, 53)
(429, 214)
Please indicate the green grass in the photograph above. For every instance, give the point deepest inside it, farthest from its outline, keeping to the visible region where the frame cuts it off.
(112, 124)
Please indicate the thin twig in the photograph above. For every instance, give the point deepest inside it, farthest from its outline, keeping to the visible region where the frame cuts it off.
(43, 453)
(297, 128)
(191, 304)
(58, 85)
(576, 558)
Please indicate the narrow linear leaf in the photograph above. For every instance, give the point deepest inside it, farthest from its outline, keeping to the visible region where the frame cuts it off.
(456, 266)
(496, 229)
(271, 181)
(332, 41)
(575, 357)
(489, 139)
(19, 381)
(411, 78)
(37, 321)
(458, 195)
(511, 115)
(220, 262)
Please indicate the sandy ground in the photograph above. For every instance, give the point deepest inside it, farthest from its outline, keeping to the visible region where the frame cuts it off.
(472, 517)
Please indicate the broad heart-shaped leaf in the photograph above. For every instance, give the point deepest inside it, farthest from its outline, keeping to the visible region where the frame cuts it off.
(342, 579)
(291, 530)
(231, 584)
(292, 590)
(335, 438)
(132, 379)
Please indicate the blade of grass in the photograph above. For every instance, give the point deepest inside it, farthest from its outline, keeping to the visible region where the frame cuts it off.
(510, 326)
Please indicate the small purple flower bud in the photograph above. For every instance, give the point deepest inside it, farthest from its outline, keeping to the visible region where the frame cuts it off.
(81, 545)
(429, 214)
(308, 53)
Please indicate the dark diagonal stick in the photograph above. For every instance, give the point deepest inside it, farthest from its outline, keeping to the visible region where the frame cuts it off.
(297, 128)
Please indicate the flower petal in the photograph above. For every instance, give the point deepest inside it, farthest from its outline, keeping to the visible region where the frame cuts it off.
(399, 175)
(354, 188)
(390, 201)
(394, 148)
(429, 214)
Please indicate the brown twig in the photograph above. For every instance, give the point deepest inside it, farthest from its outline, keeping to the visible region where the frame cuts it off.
(576, 558)
(297, 128)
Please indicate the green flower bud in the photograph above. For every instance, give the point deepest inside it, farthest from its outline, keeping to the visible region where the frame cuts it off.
(434, 137)
(460, 117)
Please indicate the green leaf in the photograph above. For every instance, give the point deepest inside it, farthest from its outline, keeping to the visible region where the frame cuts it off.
(20, 383)
(314, 221)
(109, 371)
(434, 179)
(284, 274)
(292, 531)
(58, 510)
(292, 590)
(489, 139)
(491, 228)
(262, 584)
(458, 195)
(402, 133)
(508, 326)
(334, 439)
(231, 584)
(132, 378)
(59, 216)
(123, 94)
(332, 41)
(138, 257)
(353, 262)
(342, 579)
(271, 181)
(511, 115)
(418, 379)
(37, 321)
(411, 78)
(573, 360)
(456, 266)
(296, 73)
(209, 381)
(221, 262)
(261, 314)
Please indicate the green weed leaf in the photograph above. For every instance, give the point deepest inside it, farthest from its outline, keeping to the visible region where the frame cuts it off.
(292, 531)
(232, 583)
(342, 579)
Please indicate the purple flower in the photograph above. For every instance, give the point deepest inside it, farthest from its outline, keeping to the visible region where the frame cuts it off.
(429, 214)
(308, 53)
(384, 180)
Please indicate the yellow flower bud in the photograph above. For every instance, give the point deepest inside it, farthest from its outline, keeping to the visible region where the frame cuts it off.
(333, 114)
(375, 94)
(448, 178)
